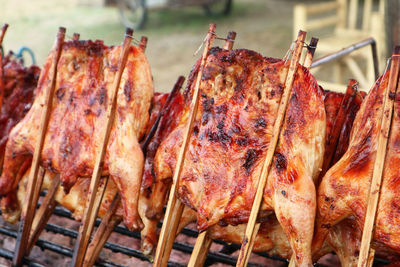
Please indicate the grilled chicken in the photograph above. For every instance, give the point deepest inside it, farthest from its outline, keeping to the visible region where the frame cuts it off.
(152, 191)
(19, 86)
(240, 92)
(342, 195)
(85, 74)
(334, 101)
(75, 200)
(271, 238)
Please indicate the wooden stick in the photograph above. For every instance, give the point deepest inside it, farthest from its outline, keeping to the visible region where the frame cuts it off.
(29, 206)
(374, 191)
(310, 52)
(200, 250)
(91, 209)
(43, 213)
(174, 206)
(203, 241)
(143, 43)
(371, 257)
(230, 40)
(2, 33)
(250, 233)
(106, 226)
(105, 229)
(76, 36)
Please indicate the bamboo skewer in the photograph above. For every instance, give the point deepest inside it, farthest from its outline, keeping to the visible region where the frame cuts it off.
(93, 199)
(143, 43)
(104, 230)
(374, 191)
(252, 226)
(76, 36)
(203, 241)
(29, 206)
(230, 40)
(48, 204)
(310, 52)
(43, 213)
(174, 206)
(2, 33)
(200, 250)
(109, 221)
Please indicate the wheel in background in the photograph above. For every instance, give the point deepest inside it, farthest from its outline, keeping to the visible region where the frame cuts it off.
(132, 13)
(216, 8)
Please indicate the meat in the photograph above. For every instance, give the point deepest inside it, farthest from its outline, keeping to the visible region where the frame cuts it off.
(333, 103)
(85, 73)
(153, 194)
(75, 200)
(19, 86)
(342, 195)
(271, 237)
(240, 91)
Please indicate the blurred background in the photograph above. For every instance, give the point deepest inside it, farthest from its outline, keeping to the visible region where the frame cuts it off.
(176, 28)
(174, 34)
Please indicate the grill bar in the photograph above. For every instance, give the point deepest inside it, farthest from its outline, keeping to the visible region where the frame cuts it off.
(213, 257)
(183, 247)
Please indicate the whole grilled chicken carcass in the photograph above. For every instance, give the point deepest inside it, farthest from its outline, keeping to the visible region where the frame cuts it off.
(239, 95)
(342, 195)
(76, 198)
(85, 74)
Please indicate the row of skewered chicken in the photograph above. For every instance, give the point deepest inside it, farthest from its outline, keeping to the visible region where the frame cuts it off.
(307, 210)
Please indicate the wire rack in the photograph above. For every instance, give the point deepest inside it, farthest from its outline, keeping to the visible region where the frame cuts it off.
(223, 256)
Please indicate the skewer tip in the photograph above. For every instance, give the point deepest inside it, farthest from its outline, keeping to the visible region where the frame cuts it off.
(231, 35)
(181, 80)
(5, 26)
(143, 43)
(76, 36)
(212, 27)
(128, 32)
(313, 41)
(396, 50)
(301, 33)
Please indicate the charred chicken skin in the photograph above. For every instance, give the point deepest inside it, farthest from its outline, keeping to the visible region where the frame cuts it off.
(85, 73)
(75, 200)
(271, 238)
(239, 95)
(19, 85)
(342, 195)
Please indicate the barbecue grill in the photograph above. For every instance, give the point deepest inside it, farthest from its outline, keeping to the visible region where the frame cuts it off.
(223, 256)
(220, 252)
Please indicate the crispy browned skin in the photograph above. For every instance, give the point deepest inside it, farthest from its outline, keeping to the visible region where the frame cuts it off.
(344, 137)
(19, 86)
(85, 74)
(333, 101)
(153, 193)
(240, 91)
(344, 189)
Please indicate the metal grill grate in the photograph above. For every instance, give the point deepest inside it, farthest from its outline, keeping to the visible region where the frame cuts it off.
(213, 257)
